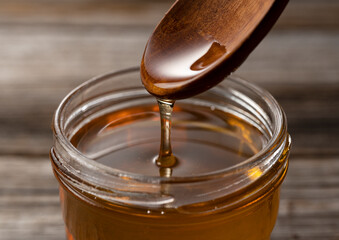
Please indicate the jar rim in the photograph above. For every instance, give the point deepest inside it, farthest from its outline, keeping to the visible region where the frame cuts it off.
(277, 139)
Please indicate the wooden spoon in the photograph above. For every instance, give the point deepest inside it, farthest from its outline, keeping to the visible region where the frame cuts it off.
(199, 42)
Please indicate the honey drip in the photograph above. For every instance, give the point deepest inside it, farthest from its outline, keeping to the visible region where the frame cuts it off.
(166, 160)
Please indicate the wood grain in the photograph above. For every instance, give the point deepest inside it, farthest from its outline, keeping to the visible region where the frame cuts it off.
(300, 14)
(48, 47)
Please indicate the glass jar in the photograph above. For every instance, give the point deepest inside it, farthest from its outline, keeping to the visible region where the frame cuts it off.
(238, 200)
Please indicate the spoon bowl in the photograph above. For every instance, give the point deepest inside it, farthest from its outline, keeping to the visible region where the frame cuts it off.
(200, 42)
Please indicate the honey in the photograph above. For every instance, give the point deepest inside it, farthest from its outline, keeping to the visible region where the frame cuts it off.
(87, 218)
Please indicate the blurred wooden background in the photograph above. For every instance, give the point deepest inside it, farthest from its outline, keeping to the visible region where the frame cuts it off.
(47, 47)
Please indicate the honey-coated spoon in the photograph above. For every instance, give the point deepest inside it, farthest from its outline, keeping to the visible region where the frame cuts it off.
(199, 42)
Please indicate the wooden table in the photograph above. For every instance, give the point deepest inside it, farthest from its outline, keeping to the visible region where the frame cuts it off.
(47, 47)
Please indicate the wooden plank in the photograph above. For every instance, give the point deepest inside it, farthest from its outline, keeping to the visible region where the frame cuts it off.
(29, 204)
(79, 54)
(307, 228)
(39, 218)
(26, 174)
(310, 14)
(309, 207)
(313, 173)
(294, 57)
(124, 13)
(25, 119)
(301, 14)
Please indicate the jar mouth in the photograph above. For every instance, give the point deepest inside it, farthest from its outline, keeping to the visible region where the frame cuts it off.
(262, 159)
